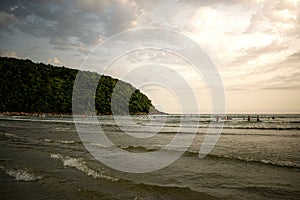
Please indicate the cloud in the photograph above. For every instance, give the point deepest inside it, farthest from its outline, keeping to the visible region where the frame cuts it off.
(295, 57)
(276, 17)
(281, 75)
(91, 5)
(120, 17)
(52, 20)
(6, 19)
(8, 53)
(54, 61)
(251, 53)
(281, 88)
(69, 25)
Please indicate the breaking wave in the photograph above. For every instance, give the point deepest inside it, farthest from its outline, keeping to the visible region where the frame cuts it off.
(80, 165)
(21, 174)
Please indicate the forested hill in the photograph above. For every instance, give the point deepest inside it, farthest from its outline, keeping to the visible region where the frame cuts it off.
(35, 87)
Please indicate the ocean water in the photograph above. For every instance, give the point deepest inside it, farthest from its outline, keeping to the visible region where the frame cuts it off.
(44, 158)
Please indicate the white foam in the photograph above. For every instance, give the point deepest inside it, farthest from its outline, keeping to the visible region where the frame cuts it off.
(60, 141)
(67, 141)
(56, 156)
(100, 145)
(80, 165)
(10, 135)
(21, 174)
(280, 163)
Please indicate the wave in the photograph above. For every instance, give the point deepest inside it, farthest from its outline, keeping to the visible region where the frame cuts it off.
(288, 164)
(138, 190)
(227, 125)
(277, 134)
(100, 145)
(66, 120)
(234, 127)
(9, 135)
(21, 174)
(62, 141)
(261, 128)
(170, 191)
(252, 125)
(241, 134)
(293, 122)
(80, 165)
(146, 188)
(38, 120)
(64, 128)
(67, 141)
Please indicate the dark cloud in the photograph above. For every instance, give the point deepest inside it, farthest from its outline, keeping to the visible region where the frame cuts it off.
(295, 57)
(67, 24)
(119, 19)
(6, 20)
(89, 6)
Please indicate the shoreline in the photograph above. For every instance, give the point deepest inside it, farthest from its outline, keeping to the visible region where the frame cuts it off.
(33, 114)
(42, 114)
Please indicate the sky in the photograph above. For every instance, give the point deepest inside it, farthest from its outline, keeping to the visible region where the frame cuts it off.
(254, 44)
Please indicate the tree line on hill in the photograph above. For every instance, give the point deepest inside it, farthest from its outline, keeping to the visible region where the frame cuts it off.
(36, 87)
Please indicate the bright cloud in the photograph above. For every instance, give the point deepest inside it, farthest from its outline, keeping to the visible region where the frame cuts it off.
(8, 53)
(54, 61)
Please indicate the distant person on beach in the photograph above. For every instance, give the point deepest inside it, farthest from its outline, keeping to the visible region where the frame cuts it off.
(257, 118)
(248, 118)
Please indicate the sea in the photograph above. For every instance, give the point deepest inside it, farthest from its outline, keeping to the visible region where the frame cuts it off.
(46, 158)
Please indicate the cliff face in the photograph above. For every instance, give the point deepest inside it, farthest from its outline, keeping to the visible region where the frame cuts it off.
(37, 87)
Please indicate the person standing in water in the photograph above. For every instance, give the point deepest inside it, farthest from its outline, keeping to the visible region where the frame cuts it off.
(257, 118)
(248, 118)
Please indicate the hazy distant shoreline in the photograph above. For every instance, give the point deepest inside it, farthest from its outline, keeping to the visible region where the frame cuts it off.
(41, 114)
(33, 114)
(155, 112)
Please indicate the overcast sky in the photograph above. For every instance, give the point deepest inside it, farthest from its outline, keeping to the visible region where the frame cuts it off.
(255, 44)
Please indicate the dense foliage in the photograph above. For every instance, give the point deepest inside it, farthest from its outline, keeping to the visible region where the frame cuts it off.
(32, 87)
